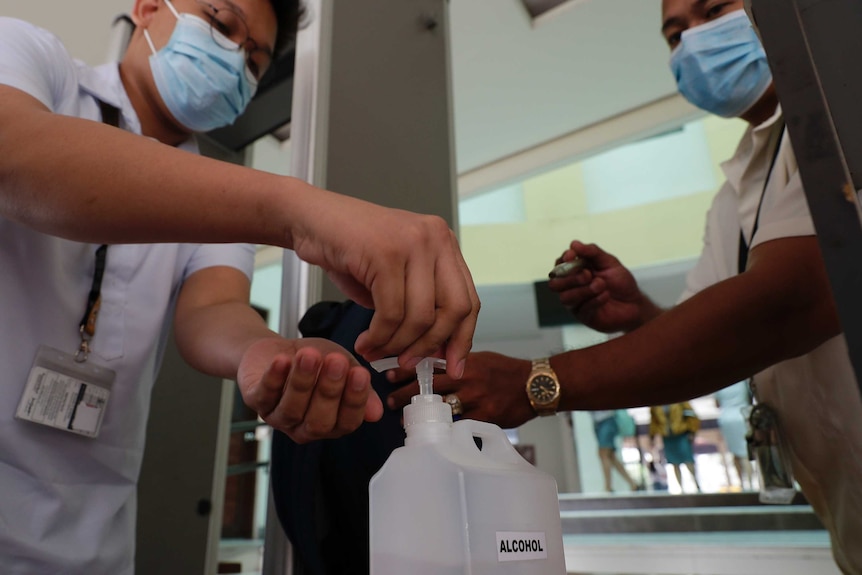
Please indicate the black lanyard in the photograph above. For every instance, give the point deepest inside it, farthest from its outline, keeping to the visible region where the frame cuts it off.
(742, 259)
(87, 327)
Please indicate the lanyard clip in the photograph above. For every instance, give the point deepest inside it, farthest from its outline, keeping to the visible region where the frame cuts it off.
(94, 302)
(84, 349)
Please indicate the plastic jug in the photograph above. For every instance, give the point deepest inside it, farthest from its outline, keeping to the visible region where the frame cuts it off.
(458, 499)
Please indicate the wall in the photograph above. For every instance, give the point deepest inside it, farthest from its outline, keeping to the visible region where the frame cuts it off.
(641, 232)
(84, 27)
(519, 84)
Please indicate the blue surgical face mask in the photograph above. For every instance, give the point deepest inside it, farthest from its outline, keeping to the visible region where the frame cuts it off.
(721, 67)
(204, 85)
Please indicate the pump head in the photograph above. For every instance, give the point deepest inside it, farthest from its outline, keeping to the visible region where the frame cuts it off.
(427, 407)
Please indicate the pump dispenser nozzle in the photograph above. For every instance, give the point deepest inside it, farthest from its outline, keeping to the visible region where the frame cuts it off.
(425, 408)
(425, 374)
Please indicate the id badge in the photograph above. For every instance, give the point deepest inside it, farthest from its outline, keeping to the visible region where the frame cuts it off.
(767, 450)
(65, 394)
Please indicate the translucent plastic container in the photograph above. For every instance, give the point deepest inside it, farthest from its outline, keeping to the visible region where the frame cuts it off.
(443, 505)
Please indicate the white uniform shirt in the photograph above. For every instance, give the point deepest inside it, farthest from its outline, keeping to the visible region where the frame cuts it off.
(67, 503)
(816, 394)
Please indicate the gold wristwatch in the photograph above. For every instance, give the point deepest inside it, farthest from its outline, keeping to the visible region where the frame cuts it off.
(543, 388)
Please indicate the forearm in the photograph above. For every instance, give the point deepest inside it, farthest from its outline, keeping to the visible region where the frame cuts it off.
(209, 346)
(72, 178)
(214, 324)
(649, 310)
(310, 388)
(722, 335)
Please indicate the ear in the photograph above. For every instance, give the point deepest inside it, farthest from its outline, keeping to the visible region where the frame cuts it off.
(143, 12)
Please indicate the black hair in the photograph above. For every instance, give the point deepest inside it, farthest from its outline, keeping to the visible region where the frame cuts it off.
(287, 16)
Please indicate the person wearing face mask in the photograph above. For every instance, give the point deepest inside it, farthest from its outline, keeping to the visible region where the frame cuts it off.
(203, 76)
(107, 238)
(757, 302)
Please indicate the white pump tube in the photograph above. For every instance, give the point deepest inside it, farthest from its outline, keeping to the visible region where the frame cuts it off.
(428, 418)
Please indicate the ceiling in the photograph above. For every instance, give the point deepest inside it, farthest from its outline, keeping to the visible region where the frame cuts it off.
(517, 85)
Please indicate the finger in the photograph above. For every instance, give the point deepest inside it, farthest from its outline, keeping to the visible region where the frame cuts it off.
(457, 312)
(600, 259)
(420, 312)
(590, 307)
(438, 301)
(400, 375)
(387, 294)
(572, 253)
(265, 394)
(579, 248)
(297, 392)
(443, 385)
(407, 267)
(324, 407)
(590, 252)
(461, 342)
(576, 279)
(598, 285)
(355, 401)
(577, 297)
(373, 407)
(373, 404)
(562, 258)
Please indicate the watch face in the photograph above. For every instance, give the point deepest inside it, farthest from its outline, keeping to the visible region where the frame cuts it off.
(543, 388)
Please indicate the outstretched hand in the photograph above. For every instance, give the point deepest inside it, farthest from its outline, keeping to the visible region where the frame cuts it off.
(308, 388)
(406, 266)
(492, 389)
(604, 294)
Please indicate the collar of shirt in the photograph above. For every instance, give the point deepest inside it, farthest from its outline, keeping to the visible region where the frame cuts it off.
(747, 169)
(747, 163)
(104, 83)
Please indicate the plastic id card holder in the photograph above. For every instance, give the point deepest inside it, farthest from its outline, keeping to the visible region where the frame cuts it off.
(66, 394)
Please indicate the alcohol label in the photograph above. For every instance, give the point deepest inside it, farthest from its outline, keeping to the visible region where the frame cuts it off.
(521, 546)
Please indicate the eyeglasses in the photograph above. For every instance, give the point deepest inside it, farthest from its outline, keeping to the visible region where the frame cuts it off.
(230, 31)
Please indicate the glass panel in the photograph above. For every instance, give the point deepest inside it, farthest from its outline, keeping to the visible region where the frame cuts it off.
(266, 292)
(645, 202)
(654, 170)
(502, 206)
(247, 488)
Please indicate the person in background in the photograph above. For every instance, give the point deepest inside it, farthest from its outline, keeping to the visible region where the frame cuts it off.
(657, 474)
(676, 424)
(730, 401)
(607, 431)
(113, 230)
(757, 303)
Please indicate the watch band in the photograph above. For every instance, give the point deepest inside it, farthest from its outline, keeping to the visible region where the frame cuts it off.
(542, 363)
